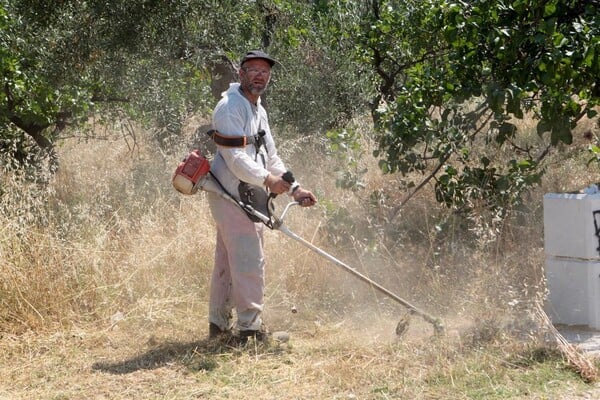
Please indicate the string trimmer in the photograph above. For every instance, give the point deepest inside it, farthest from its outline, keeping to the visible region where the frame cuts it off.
(211, 184)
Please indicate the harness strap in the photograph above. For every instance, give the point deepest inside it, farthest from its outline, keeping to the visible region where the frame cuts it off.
(236, 141)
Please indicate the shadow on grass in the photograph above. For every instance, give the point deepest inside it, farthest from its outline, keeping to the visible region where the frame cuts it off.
(196, 356)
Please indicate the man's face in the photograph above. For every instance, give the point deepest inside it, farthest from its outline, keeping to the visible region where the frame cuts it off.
(255, 75)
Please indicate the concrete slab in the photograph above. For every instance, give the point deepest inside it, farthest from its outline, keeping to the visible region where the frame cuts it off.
(588, 340)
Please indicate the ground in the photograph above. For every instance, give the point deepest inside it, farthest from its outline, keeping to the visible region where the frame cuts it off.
(172, 362)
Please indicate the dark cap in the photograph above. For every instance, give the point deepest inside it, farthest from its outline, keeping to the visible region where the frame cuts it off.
(257, 54)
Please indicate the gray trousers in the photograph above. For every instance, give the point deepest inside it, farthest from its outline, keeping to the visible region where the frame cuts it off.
(238, 279)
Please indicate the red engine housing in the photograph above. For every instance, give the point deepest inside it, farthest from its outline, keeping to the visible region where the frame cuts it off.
(189, 172)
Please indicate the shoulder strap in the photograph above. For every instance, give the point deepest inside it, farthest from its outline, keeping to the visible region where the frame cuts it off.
(231, 141)
(237, 141)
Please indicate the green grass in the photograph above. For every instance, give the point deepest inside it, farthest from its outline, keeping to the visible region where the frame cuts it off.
(490, 374)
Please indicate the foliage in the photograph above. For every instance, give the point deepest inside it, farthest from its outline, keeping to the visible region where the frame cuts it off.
(152, 62)
(345, 145)
(456, 77)
(65, 61)
(447, 82)
(319, 86)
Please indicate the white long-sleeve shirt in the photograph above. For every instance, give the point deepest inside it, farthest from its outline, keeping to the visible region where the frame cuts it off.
(235, 116)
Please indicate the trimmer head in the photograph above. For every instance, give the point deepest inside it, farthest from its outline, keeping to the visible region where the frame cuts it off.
(404, 322)
(438, 328)
(402, 325)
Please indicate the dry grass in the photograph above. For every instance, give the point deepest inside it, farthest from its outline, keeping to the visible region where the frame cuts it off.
(104, 284)
(166, 358)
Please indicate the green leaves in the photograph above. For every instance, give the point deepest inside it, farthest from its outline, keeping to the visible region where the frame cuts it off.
(456, 95)
(448, 83)
(486, 186)
(60, 61)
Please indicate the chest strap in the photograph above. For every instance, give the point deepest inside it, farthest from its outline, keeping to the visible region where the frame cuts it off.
(236, 141)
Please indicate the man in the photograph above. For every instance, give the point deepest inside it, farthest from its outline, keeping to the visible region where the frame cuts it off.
(238, 276)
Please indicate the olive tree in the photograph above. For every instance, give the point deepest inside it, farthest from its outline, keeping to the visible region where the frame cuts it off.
(64, 61)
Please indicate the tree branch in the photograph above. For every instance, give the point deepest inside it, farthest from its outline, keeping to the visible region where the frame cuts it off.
(420, 186)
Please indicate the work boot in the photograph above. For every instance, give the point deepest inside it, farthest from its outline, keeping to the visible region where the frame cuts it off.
(214, 332)
(261, 335)
(227, 337)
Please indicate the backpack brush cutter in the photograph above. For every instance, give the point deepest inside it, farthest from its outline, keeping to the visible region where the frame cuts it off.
(277, 223)
(208, 182)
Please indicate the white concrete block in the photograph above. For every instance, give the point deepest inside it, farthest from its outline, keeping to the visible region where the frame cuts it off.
(567, 301)
(569, 229)
(594, 295)
(574, 291)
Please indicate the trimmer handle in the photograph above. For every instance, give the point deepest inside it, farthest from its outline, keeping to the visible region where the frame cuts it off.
(288, 177)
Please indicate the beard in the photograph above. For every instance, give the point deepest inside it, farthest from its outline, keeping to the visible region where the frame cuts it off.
(256, 89)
